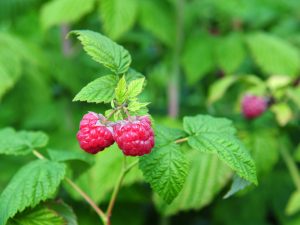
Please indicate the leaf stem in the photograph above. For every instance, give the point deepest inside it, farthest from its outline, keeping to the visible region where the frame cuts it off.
(181, 140)
(292, 167)
(126, 112)
(100, 213)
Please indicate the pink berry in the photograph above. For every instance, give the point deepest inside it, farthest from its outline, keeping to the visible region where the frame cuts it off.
(134, 137)
(92, 135)
(253, 106)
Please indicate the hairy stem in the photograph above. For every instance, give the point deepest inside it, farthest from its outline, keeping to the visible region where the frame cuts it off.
(100, 213)
(292, 167)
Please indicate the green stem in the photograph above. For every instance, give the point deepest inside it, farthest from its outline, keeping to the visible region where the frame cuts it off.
(181, 140)
(292, 167)
(124, 171)
(100, 213)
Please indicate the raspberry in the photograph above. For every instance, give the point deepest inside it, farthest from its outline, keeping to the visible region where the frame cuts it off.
(134, 137)
(92, 135)
(253, 106)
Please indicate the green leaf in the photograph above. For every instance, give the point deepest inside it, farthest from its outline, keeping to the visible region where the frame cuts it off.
(162, 24)
(99, 90)
(218, 89)
(118, 16)
(33, 183)
(63, 210)
(57, 12)
(165, 168)
(121, 91)
(197, 57)
(216, 135)
(293, 205)
(165, 135)
(135, 106)
(230, 52)
(132, 75)
(21, 143)
(283, 113)
(104, 51)
(206, 177)
(105, 172)
(38, 216)
(274, 55)
(135, 87)
(264, 149)
(237, 185)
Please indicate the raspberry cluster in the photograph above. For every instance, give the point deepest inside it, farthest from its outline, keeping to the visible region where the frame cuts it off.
(134, 136)
(253, 106)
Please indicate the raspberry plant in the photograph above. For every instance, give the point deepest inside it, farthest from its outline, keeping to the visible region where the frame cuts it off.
(165, 165)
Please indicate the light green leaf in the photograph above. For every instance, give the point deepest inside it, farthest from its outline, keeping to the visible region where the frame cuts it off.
(207, 176)
(99, 90)
(162, 24)
(33, 183)
(197, 57)
(274, 55)
(132, 75)
(104, 51)
(237, 185)
(283, 113)
(38, 216)
(278, 81)
(21, 143)
(165, 168)
(219, 88)
(121, 91)
(294, 95)
(57, 12)
(216, 135)
(118, 16)
(165, 135)
(105, 173)
(63, 210)
(230, 52)
(293, 205)
(135, 106)
(135, 87)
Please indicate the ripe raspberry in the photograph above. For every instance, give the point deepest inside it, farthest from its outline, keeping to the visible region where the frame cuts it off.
(134, 138)
(253, 106)
(92, 135)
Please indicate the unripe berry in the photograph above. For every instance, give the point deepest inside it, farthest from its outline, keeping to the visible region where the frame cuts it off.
(93, 136)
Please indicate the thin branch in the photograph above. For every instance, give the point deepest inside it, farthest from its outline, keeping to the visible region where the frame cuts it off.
(80, 191)
(181, 140)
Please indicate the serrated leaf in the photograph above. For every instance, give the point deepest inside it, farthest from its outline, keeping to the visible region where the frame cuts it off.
(219, 88)
(216, 135)
(64, 11)
(237, 185)
(99, 90)
(132, 75)
(135, 87)
(293, 204)
(121, 91)
(135, 106)
(230, 52)
(104, 51)
(33, 183)
(165, 135)
(21, 143)
(118, 16)
(105, 172)
(37, 216)
(274, 55)
(165, 168)
(206, 177)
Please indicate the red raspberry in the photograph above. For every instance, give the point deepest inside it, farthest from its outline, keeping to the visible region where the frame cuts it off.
(253, 106)
(134, 137)
(92, 135)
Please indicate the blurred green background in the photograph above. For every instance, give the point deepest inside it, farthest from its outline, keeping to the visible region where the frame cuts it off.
(199, 56)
